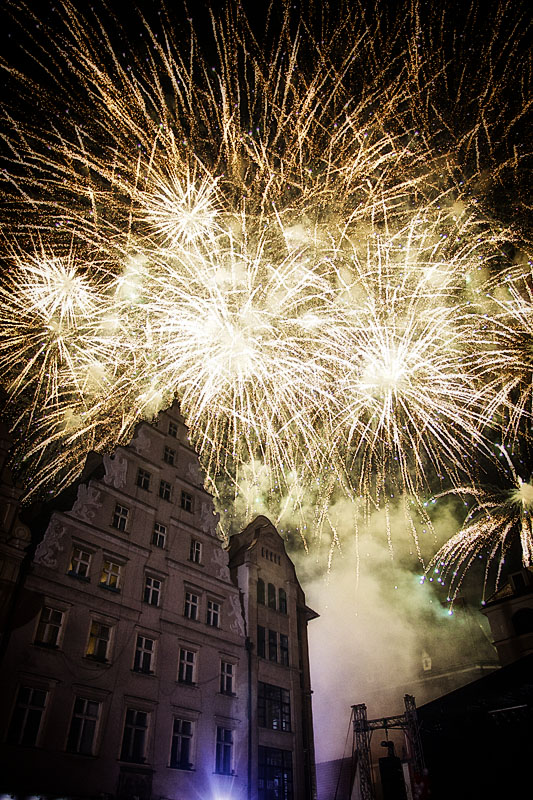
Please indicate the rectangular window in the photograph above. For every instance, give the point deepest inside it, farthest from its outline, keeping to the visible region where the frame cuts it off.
(226, 677)
(169, 456)
(99, 639)
(271, 596)
(224, 751)
(152, 590)
(27, 716)
(213, 613)
(192, 602)
(143, 479)
(165, 490)
(110, 577)
(273, 707)
(181, 750)
(186, 501)
(272, 646)
(82, 730)
(195, 551)
(275, 774)
(120, 517)
(159, 536)
(261, 642)
(49, 627)
(282, 604)
(187, 666)
(134, 738)
(172, 429)
(80, 563)
(144, 655)
(284, 649)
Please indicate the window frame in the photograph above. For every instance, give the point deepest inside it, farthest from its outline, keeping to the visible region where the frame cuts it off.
(30, 720)
(75, 571)
(273, 707)
(190, 605)
(224, 751)
(120, 518)
(165, 490)
(227, 677)
(98, 638)
(107, 584)
(144, 479)
(176, 744)
(159, 533)
(169, 455)
(85, 723)
(128, 754)
(141, 653)
(187, 666)
(43, 640)
(195, 551)
(151, 591)
(213, 613)
(187, 502)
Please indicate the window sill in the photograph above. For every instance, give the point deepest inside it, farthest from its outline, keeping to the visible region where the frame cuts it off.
(97, 660)
(143, 672)
(46, 645)
(107, 588)
(77, 577)
(231, 774)
(182, 767)
(190, 684)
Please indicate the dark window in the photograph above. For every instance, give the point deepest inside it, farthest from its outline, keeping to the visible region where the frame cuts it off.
(159, 536)
(49, 627)
(99, 638)
(261, 591)
(192, 602)
(272, 646)
(143, 479)
(181, 751)
(226, 677)
(169, 455)
(186, 502)
(271, 596)
(83, 726)
(144, 654)
(261, 641)
(80, 563)
(523, 621)
(134, 738)
(224, 751)
(284, 649)
(195, 551)
(282, 605)
(27, 716)
(275, 774)
(187, 666)
(120, 517)
(165, 490)
(213, 614)
(152, 590)
(172, 429)
(274, 707)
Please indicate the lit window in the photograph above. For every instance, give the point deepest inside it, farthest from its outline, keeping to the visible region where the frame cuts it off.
(273, 707)
(80, 563)
(224, 751)
(120, 517)
(159, 536)
(110, 577)
(191, 605)
(169, 455)
(134, 738)
(27, 716)
(172, 429)
(213, 613)
(271, 596)
(272, 646)
(195, 551)
(261, 591)
(261, 641)
(226, 677)
(165, 490)
(187, 666)
(143, 479)
(284, 649)
(275, 774)
(144, 655)
(49, 627)
(82, 730)
(282, 606)
(99, 638)
(186, 502)
(181, 749)
(152, 590)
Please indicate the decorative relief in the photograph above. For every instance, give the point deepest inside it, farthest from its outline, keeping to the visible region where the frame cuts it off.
(141, 443)
(88, 503)
(116, 469)
(237, 624)
(194, 473)
(208, 519)
(220, 561)
(47, 551)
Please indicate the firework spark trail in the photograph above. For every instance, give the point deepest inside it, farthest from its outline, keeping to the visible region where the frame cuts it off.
(280, 236)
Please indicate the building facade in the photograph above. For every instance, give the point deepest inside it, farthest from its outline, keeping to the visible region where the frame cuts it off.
(510, 615)
(128, 672)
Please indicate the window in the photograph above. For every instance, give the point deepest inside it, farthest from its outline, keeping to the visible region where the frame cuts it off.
(192, 602)
(181, 750)
(165, 490)
(282, 604)
(195, 551)
(213, 613)
(224, 751)
(144, 655)
(274, 707)
(99, 638)
(110, 577)
(83, 726)
(134, 738)
(49, 627)
(186, 502)
(172, 429)
(152, 590)
(261, 591)
(187, 666)
(272, 646)
(275, 774)
(261, 641)
(284, 649)
(271, 596)
(169, 456)
(143, 479)
(120, 517)
(80, 563)
(226, 677)
(27, 716)
(159, 536)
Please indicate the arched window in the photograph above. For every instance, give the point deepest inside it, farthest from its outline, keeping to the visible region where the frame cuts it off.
(261, 591)
(271, 595)
(523, 621)
(282, 604)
